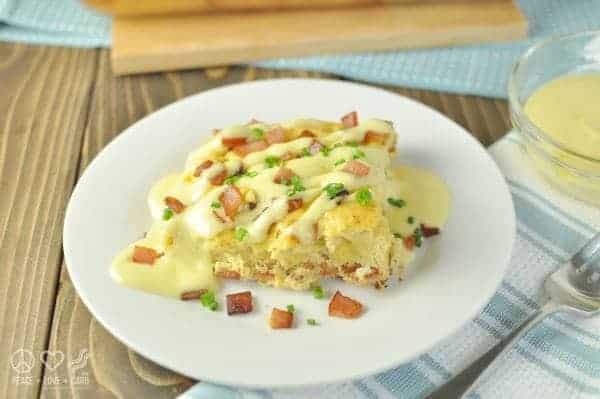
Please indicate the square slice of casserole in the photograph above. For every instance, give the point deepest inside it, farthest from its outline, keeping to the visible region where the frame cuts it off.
(306, 201)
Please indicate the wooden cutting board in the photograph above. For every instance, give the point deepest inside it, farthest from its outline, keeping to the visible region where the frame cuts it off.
(161, 7)
(161, 43)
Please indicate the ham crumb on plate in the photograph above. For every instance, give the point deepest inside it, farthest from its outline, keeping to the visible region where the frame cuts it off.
(145, 255)
(344, 307)
(239, 303)
(192, 295)
(281, 319)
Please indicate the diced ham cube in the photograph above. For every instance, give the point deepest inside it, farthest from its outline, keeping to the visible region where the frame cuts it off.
(239, 303)
(276, 135)
(357, 168)
(232, 142)
(307, 133)
(350, 120)
(228, 274)
(351, 267)
(253, 146)
(231, 200)
(315, 147)
(429, 231)
(219, 178)
(294, 204)
(374, 137)
(174, 204)
(409, 242)
(283, 176)
(202, 167)
(145, 255)
(191, 295)
(345, 307)
(281, 319)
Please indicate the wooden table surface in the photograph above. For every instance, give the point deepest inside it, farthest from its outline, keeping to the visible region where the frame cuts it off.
(59, 108)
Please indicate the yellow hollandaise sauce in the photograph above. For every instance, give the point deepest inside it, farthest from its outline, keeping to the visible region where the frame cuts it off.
(252, 179)
(567, 110)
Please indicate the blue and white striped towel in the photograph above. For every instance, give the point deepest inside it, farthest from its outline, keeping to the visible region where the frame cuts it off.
(558, 359)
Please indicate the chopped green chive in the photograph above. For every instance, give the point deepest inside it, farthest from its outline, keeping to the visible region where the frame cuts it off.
(339, 162)
(352, 143)
(398, 235)
(290, 308)
(364, 196)
(296, 186)
(334, 189)
(232, 179)
(305, 152)
(397, 202)
(312, 322)
(272, 161)
(325, 151)
(410, 220)
(208, 301)
(318, 293)
(358, 154)
(257, 133)
(338, 144)
(167, 214)
(215, 204)
(296, 183)
(240, 233)
(418, 234)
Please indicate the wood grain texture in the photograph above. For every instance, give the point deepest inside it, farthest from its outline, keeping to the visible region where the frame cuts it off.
(116, 104)
(43, 110)
(61, 137)
(485, 118)
(162, 43)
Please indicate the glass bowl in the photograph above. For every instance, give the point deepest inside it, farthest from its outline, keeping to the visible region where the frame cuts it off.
(572, 172)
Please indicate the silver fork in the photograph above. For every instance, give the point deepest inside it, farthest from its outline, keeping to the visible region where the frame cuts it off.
(574, 287)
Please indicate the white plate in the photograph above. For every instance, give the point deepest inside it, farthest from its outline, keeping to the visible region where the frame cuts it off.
(453, 280)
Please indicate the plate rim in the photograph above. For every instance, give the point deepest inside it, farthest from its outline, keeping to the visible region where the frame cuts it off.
(161, 360)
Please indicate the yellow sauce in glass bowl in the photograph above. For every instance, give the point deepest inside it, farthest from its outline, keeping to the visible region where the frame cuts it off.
(567, 111)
